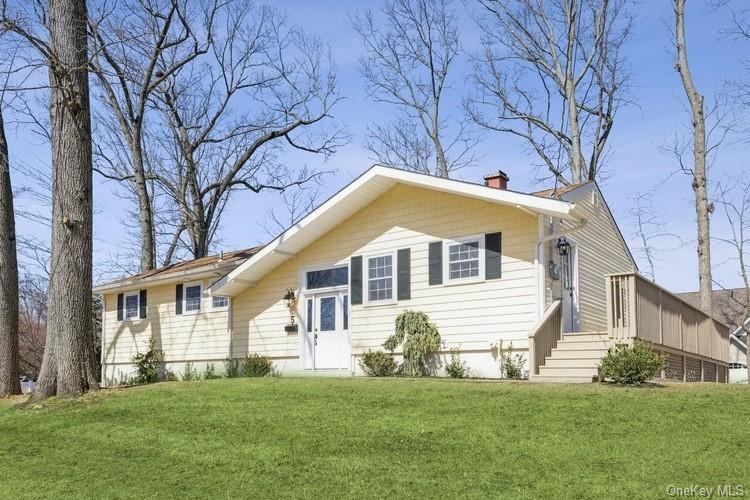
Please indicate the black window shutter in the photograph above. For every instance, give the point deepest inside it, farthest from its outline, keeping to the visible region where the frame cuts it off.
(120, 304)
(492, 256)
(404, 274)
(356, 279)
(178, 299)
(436, 263)
(143, 303)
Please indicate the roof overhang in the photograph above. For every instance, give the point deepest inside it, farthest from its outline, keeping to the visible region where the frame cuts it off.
(358, 194)
(126, 285)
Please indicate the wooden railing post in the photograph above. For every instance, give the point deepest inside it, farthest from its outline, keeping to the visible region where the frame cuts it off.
(632, 307)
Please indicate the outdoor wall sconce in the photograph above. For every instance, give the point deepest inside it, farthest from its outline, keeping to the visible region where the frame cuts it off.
(290, 300)
(563, 247)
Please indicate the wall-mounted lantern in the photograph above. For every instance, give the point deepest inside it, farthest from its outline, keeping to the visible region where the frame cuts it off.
(563, 247)
(290, 300)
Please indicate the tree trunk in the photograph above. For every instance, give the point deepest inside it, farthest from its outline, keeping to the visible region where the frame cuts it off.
(9, 358)
(68, 367)
(700, 180)
(145, 208)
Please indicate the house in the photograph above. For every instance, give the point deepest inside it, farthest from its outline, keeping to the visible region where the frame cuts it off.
(548, 274)
(729, 308)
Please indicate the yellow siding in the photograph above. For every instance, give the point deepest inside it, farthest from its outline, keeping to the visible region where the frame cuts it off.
(186, 337)
(601, 251)
(471, 316)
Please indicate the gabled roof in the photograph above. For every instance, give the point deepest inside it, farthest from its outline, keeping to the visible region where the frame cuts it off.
(212, 265)
(558, 191)
(358, 194)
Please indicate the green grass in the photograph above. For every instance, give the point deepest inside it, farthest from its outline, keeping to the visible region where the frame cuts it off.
(375, 438)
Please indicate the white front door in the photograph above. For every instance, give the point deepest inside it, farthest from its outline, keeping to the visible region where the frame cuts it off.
(330, 314)
(569, 265)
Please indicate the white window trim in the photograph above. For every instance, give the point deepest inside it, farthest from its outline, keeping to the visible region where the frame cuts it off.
(366, 281)
(219, 308)
(185, 286)
(137, 295)
(303, 270)
(446, 260)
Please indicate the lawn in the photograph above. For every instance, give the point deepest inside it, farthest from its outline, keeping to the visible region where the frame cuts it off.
(324, 438)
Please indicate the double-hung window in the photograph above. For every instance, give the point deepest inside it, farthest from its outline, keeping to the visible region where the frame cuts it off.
(380, 278)
(131, 305)
(219, 302)
(193, 295)
(464, 260)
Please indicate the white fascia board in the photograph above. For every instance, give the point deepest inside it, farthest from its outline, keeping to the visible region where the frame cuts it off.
(382, 178)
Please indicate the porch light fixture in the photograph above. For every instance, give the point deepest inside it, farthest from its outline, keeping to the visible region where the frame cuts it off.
(290, 300)
(563, 247)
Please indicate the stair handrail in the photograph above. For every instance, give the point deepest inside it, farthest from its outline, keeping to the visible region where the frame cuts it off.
(545, 335)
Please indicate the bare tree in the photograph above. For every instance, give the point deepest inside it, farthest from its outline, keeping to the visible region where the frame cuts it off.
(297, 203)
(407, 64)
(552, 73)
(136, 46)
(262, 85)
(735, 204)
(9, 361)
(699, 170)
(68, 366)
(32, 323)
(649, 232)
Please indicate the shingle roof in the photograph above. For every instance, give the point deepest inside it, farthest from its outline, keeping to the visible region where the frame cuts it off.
(728, 305)
(226, 259)
(558, 191)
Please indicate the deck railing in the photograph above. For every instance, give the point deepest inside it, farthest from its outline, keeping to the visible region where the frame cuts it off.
(545, 335)
(639, 308)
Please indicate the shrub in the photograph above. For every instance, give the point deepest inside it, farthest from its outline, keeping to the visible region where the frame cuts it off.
(210, 372)
(378, 364)
(148, 364)
(631, 365)
(512, 363)
(257, 365)
(232, 368)
(190, 372)
(420, 338)
(456, 368)
(170, 376)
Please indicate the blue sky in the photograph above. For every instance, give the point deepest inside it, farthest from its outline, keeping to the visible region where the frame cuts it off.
(636, 164)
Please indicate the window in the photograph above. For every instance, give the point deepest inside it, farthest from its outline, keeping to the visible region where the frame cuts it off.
(131, 305)
(219, 302)
(193, 294)
(464, 260)
(735, 366)
(380, 278)
(325, 278)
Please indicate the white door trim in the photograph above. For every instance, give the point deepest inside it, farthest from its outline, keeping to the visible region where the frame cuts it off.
(571, 304)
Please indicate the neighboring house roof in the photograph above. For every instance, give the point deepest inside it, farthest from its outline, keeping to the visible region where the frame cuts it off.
(355, 196)
(212, 265)
(728, 305)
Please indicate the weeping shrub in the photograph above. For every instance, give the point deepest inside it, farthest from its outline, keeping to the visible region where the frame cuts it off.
(378, 364)
(420, 340)
(631, 365)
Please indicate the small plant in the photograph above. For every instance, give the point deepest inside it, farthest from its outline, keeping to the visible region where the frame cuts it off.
(190, 372)
(210, 372)
(148, 364)
(170, 376)
(257, 365)
(631, 365)
(378, 364)
(420, 338)
(512, 364)
(232, 368)
(456, 368)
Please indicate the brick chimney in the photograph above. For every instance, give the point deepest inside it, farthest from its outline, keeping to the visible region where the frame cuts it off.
(497, 181)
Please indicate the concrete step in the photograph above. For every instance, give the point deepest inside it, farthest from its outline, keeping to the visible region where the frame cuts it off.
(560, 380)
(555, 362)
(574, 372)
(586, 336)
